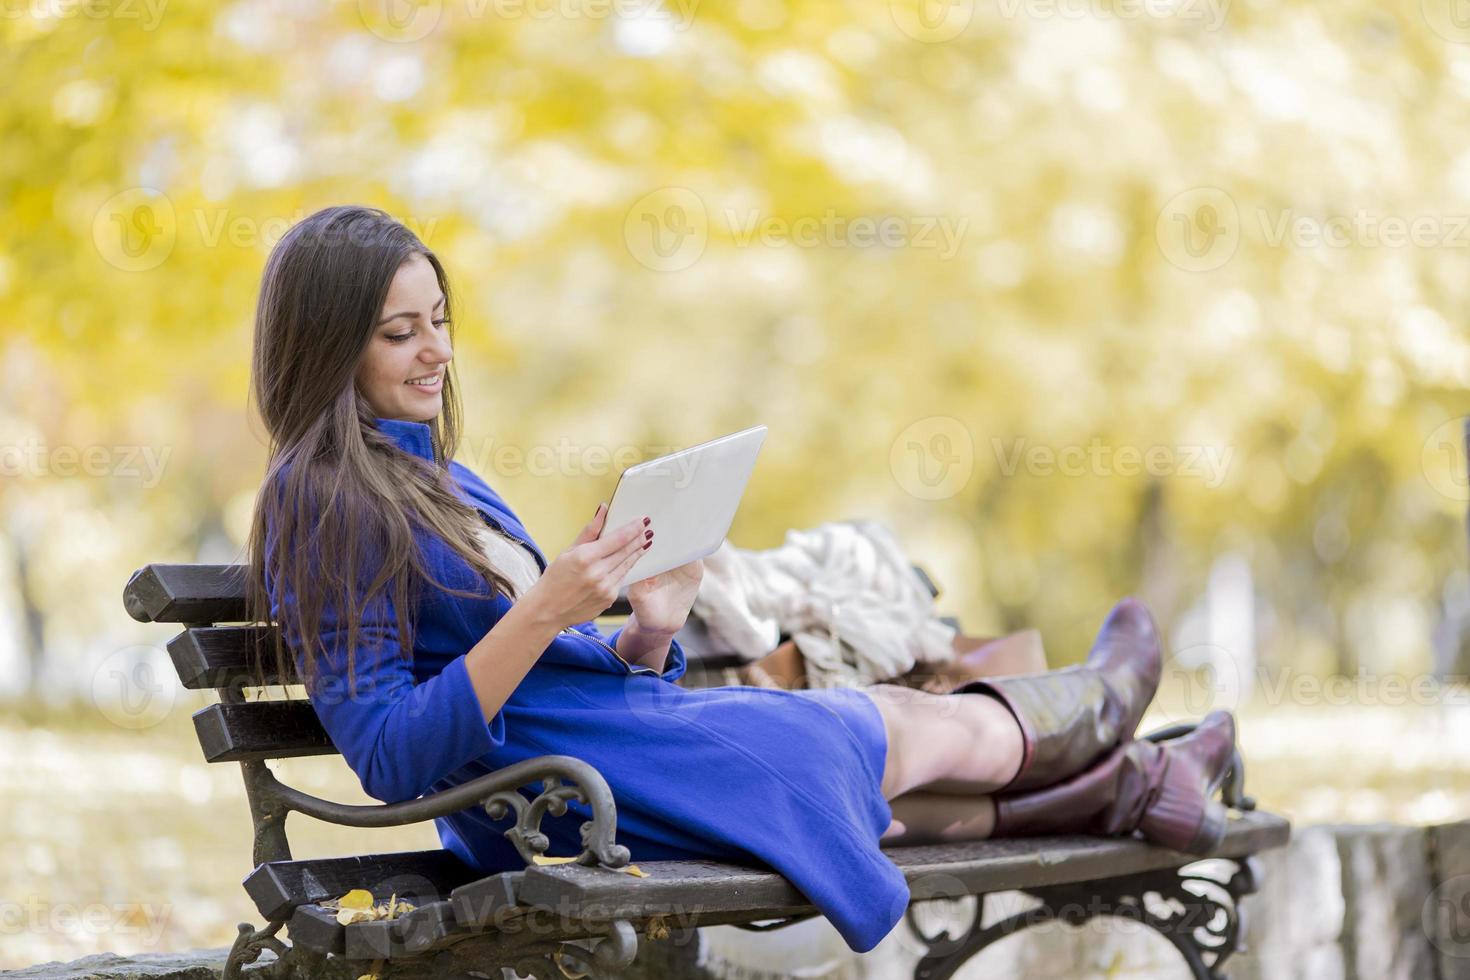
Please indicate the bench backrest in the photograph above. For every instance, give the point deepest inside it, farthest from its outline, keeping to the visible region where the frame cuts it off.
(219, 650)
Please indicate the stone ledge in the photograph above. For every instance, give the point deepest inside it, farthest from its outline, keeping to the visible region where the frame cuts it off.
(194, 964)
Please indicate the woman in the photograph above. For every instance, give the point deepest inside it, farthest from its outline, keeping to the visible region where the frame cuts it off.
(443, 645)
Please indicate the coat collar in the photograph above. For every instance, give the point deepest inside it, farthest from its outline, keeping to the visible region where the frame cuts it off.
(412, 437)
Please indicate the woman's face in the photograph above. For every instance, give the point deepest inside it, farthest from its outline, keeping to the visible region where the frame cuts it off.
(410, 344)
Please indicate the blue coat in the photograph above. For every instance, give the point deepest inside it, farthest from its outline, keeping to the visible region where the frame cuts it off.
(755, 776)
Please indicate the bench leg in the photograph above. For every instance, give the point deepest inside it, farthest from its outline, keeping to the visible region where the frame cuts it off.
(1198, 914)
(247, 947)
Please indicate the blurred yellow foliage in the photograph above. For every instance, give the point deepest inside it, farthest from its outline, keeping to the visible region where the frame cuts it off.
(1077, 300)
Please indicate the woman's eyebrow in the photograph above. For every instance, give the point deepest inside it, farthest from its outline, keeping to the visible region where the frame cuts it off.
(410, 313)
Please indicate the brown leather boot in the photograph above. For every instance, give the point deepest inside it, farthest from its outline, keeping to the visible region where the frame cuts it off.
(1070, 717)
(1164, 790)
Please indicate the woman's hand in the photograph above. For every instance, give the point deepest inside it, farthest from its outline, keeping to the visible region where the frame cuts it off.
(583, 580)
(661, 602)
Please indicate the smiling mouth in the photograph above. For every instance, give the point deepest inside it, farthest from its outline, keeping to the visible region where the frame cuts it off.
(429, 382)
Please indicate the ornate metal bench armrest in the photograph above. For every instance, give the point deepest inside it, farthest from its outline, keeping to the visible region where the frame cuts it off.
(497, 792)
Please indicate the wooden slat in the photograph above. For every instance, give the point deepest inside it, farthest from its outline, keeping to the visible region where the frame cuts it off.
(216, 594)
(420, 877)
(187, 594)
(261, 730)
(407, 936)
(219, 656)
(316, 928)
(682, 888)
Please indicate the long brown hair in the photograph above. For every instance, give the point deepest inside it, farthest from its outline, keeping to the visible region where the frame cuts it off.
(334, 520)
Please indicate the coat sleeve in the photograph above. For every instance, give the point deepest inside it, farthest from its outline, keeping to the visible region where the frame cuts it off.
(398, 735)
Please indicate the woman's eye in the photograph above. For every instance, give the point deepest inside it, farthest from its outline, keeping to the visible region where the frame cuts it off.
(399, 338)
(440, 323)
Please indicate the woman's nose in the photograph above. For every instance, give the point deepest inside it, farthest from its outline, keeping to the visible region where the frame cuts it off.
(440, 349)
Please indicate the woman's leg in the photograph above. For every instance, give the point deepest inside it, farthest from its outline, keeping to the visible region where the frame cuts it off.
(937, 818)
(955, 743)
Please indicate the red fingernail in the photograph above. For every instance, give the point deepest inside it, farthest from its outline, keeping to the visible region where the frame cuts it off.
(648, 535)
(647, 521)
(647, 545)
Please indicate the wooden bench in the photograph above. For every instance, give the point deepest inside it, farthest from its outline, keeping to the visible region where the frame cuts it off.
(554, 921)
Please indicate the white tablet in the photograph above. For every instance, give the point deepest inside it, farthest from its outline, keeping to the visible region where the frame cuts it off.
(691, 495)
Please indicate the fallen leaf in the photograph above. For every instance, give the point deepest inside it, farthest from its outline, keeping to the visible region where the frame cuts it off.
(631, 869)
(358, 898)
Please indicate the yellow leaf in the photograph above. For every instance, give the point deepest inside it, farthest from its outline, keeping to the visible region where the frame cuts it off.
(358, 898)
(542, 859)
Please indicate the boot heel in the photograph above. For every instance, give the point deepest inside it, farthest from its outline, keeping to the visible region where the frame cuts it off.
(1211, 830)
(1186, 816)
